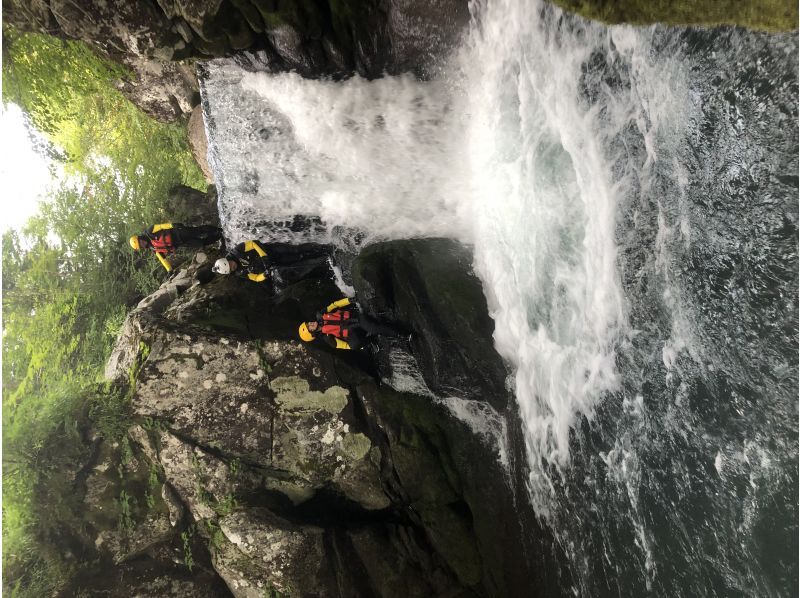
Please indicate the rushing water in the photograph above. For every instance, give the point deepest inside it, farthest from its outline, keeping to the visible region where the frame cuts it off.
(631, 197)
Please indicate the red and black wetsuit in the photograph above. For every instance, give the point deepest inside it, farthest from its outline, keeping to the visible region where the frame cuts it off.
(166, 238)
(343, 326)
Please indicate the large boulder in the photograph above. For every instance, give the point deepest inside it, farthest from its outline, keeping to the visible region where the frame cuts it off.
(165, 90)
(302, 469)
(429, 286)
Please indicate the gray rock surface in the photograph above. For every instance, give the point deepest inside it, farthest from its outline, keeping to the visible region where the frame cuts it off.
(198, 142)
(281, 467)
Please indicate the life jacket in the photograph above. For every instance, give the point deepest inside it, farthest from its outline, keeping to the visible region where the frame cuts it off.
(336, 323)
(161, 238)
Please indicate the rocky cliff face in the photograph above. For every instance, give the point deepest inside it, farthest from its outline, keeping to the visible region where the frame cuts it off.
(313, 37)
(283, 468)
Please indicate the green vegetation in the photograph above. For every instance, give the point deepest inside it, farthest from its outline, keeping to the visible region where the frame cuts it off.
(69, 278)
(767, 15)
(186, 537)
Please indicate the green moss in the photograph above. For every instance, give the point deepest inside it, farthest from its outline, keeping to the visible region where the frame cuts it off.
(767, 15)
(293, 394)
(355, 446)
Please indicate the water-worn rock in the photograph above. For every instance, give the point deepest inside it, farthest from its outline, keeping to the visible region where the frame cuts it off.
(429, 286)
(164, 90)
(192, 206)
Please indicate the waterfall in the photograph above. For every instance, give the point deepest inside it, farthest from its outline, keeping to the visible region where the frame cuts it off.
(631, 198)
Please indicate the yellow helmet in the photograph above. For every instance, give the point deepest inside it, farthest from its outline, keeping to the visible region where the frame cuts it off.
(134, 241)
(305, 333)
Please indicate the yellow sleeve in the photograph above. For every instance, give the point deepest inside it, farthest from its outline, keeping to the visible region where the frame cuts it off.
(340, 344)
(254, 246)
(158, 227)
(337, 304)
(164, 262)
(257, 277)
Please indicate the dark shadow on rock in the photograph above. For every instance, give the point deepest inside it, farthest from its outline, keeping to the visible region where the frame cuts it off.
(428, 285)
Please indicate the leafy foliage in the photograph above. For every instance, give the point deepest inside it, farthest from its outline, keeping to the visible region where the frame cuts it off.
(768, 15)
(69, 278)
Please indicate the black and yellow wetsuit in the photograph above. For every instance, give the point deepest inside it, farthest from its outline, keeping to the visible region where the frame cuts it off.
(255, 259)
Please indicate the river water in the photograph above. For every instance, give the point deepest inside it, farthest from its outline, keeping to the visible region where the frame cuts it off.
(631, 196)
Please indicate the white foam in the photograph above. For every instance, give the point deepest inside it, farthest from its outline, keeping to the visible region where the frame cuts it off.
(346, 289)
(505, 154)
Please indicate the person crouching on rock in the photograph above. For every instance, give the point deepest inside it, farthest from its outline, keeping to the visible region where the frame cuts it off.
(343, 326)
(257, 260)
(164, 239)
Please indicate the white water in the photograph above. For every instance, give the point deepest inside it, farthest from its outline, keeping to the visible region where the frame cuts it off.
(546, 143)
(504, 155)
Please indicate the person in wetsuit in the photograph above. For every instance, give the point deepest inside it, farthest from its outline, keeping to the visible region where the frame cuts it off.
(343, 326)
(258, 260)
(164, 239)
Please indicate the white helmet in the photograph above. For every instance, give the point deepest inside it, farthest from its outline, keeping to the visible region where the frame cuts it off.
(221, 266)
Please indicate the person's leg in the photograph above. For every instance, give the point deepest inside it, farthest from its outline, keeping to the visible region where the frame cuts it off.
(300, 270)
(373, 326)
(283, 254)
(199, 236)
(208, 234)
(356, 339)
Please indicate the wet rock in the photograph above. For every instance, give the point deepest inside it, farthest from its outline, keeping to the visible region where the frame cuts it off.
(199, 383)
(124, 505)
(146, 578)
(174, 504)
(192, 206)
(140, 436)
(198, 142)
(429, 286)
(204, 483)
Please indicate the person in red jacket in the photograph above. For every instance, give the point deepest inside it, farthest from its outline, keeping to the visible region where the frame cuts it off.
(164, 239)
(343, 326)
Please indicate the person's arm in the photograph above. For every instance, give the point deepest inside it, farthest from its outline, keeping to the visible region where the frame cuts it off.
(236, 253)
(164, 262)
(337, 304)
(254, 246)
(357, 339)
(259, 257)
(159, 227)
